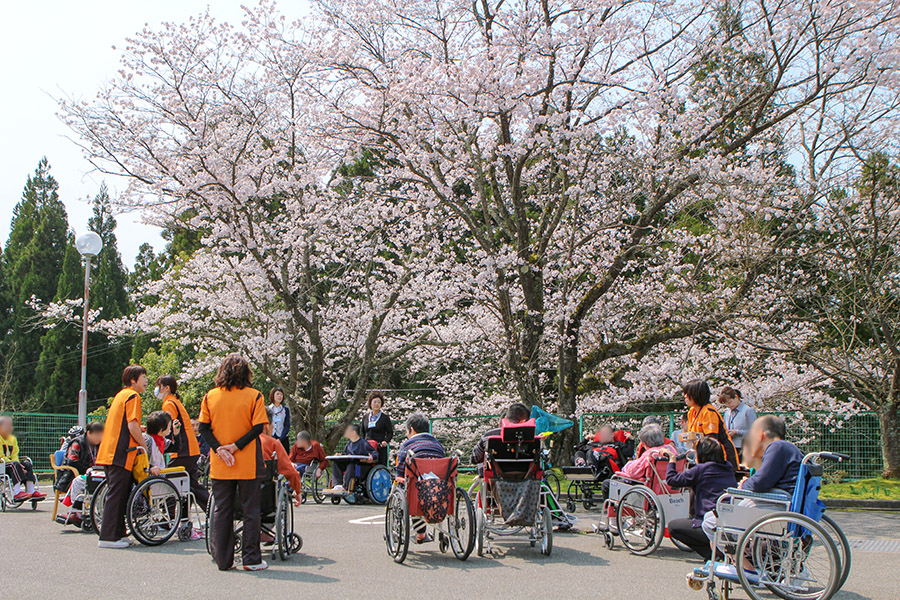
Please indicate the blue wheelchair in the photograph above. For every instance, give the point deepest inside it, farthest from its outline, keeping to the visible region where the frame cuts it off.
(777, 543)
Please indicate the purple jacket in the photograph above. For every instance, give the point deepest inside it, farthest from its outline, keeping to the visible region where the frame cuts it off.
(708, 480)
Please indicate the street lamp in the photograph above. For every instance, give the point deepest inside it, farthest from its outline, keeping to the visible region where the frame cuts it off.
(88, 245)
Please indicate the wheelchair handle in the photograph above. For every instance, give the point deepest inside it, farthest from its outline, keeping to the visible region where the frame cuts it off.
(835, 456)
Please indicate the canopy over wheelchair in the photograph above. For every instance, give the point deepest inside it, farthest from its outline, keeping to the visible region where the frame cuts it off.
(429, 499)
(778, 543)
(511, 498)
(638, 511)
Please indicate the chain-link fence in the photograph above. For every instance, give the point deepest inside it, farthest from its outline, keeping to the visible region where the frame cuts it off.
(856, 435)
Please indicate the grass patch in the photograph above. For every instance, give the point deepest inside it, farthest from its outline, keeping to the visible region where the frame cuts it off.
(863, 489)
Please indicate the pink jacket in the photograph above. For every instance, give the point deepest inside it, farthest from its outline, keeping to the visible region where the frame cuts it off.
(641, 468)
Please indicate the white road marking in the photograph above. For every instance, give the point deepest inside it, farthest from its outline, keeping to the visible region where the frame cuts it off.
(373, 520)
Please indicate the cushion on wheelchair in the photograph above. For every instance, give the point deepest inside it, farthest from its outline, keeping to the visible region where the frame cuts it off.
(518, 500)
(517, 432)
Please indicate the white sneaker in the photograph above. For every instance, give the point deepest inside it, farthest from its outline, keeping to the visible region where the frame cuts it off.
(260, 567)
(338, 488)
(118, 544)
(127, 540)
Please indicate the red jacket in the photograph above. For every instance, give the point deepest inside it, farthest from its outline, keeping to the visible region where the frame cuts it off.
(305, 457)
(270, 445)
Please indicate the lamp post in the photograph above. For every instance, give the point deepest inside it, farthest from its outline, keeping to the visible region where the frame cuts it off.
(88, 245)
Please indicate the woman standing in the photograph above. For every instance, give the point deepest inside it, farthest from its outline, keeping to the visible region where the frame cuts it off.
(232, 417)
(186, 443)
(704, 419)
(738, 416)
(281, 418)
(377, 426)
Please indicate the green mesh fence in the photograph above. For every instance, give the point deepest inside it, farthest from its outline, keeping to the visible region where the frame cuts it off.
(855, 435)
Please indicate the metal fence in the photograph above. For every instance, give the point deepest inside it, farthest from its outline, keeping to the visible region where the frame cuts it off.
(855, 435)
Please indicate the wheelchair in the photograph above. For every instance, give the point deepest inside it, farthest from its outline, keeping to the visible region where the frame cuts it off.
(371, 482)
(277, 517)
(314, 486)
(637, 511)
(786, 544)
(452, 520)
(7, 498)
(158, 505)
(511, 495)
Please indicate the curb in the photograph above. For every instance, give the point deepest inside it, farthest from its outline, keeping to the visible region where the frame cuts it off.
(838, 503)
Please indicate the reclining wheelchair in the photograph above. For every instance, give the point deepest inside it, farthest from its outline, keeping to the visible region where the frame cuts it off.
(429, 498)
(158, 506)
(277, 516)
(786, 544)
(511, 496)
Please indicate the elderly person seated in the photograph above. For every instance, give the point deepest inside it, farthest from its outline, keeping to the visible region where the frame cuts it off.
(423, 445)
(653, 440)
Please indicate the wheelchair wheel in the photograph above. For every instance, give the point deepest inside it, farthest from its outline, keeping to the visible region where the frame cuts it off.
(335, 499)
(639, 521)
(552, 481)
(545, 528)
(320, 484)
(793, 567)
(842, 545)
(98, 501)
(283, 525)
(154, 511)
(378, 484)
(461, 525)
(396, 525)
(480, 532)
(680, 546)
(209, 510)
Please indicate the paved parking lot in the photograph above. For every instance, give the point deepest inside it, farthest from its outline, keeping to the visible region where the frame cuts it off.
(344, 557)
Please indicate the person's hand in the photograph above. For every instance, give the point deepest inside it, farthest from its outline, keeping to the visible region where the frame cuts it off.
(628, 435)
(176, 426)
(370, 459)
(384, 444)
(296, 498)
(155, 471)
(668, 453)
(225, 456)
(733, 432)
(318, 473)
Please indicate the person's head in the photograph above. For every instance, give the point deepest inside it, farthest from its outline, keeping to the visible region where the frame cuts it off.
(276, 396)
(517, 413)
(267, 428)
(234, 372)
(352, 432)
(135, 377)
(159, 423)
(6, 425)
(94, 433)
(710, 450)
(652, 420)
(605, 434)
(195, 425)
(416, 423)
(730, 397)
(304, 440)
(375, 401)
(765, 430)
(696, 393)
(651, 436)
(166, 385)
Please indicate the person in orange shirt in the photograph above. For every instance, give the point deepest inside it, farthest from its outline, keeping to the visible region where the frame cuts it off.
(704, 419)
(122, 440)
(188, 447)
(274, 446)
(232, 417)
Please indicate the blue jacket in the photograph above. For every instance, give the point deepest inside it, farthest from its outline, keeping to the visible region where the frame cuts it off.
(779, 469)
(708, 480)
(360, 448)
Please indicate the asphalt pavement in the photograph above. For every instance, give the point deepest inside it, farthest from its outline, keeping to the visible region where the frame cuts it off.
(344, 556)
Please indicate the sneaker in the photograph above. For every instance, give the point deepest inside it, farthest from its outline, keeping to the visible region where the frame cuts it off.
(21, 496)
(118, 544)
(36, 495)
(260, 567)
(197, 534)
(338, 488)
(69, 520)
(127, 540)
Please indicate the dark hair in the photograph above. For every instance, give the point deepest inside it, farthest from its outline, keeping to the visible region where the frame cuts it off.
(697, 390)
(269, 414)
(710, 450)
(517, 412)
(131, 374)
(304, 435)
(354, 427)
(157, 421)
(169, 382)
(729, 393)
(272, 395)
(234, 372)
(372, 396)
(417, 422)
(94, 427)
(773, 426)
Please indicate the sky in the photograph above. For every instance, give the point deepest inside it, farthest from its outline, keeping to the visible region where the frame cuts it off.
(56, 49)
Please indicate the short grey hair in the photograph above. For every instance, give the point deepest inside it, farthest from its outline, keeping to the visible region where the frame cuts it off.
(652, 420)
(417, 422)
(652, 436)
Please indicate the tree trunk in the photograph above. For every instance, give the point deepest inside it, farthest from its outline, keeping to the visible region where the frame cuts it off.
(889, 418)
(570, 377)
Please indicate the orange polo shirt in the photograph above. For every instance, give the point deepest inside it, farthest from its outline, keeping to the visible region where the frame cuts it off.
(704, 420)
(232, 413)
(187, 441)
(117, 440)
